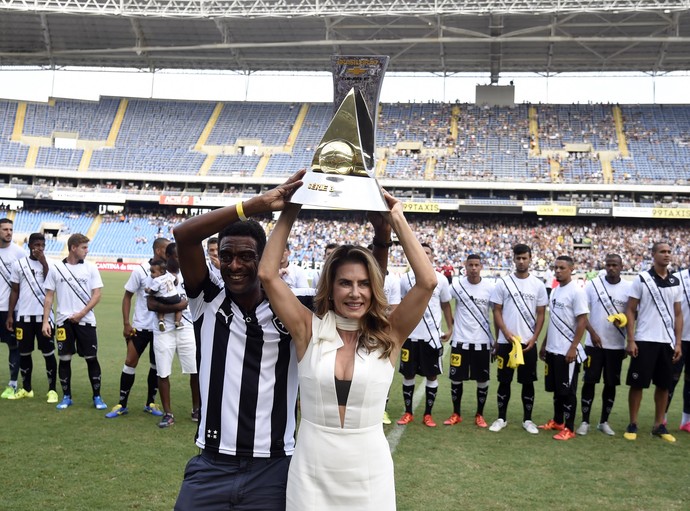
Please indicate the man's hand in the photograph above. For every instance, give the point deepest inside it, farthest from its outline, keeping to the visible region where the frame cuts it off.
(276, 198)
(631, 348)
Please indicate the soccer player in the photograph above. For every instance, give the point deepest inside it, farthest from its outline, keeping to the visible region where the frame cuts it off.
(9, 252)
(212, 255)
(174, 339)
(607, 297)
(77, 285)
(654, 341)
(561, 348)
(138, 335)
(422, 351)
(27, 297)
(519, 300)
(472, 339)
(248, 370)
(684, 277)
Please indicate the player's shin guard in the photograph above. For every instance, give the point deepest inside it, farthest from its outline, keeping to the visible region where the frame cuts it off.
(65, 374)
(14, 362)
(608, 397)
(482, 394)
(503, 398)
(586, 400)
(94, 369)
(152, 385)
(456, 396)
(431, 388)
(51, 370)
(126, 382)
(26, 366)
(408, 393)
(527, 401)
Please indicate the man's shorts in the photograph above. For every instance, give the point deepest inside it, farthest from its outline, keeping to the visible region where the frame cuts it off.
(526, 373)
(684, 362)
(5, 335)
(420, 357)
(79, 338)
(27, 331)
(653, 364)
(166, 344)
(141, 339)
(560, 377)
(469, 363)
(600, 360)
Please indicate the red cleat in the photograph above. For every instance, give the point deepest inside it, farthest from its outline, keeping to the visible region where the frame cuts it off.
(406, 419)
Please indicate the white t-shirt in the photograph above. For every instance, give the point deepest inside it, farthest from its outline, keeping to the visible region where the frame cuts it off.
(650, 326)
(8, 256)
(73, 284)
(143, 318)
(163, 286)
(429, 328)
(532, 294)
(567, 303)
(28, 273)
(296, 277)
(615, 298)
(472, 308)
(169, 319)
(684, 277)
(391, 288)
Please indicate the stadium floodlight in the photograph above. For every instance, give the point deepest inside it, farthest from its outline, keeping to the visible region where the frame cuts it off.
(294, 8)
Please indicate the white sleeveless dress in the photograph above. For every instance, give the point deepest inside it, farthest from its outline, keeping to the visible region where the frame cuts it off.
(333, 467)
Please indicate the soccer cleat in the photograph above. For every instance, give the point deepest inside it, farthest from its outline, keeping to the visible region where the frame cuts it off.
(65, 403)
(453, 420)
(530, 427)
(153, 409)
(196, 415)
(405, 419)
(606, 429)
(552, 424)
(161, 325)
(685, 427)
(52, 396)
(480, 422)
(9, 391)
(21, 394)
(583, 429)
(167, 421)
(117, 411)
(498, 425)
(663, 433)
(630, 432)
(564, 434)
(386, 419)
(99, 404)
(428, 420)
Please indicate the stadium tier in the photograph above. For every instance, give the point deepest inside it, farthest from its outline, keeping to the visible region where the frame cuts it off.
(588, 143)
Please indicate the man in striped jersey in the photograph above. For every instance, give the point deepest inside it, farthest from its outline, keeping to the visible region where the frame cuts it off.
(248, 369)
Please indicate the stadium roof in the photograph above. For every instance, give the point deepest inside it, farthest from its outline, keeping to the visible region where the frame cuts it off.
(443, 36)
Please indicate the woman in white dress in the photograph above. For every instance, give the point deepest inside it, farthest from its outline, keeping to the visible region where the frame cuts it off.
(346, 353)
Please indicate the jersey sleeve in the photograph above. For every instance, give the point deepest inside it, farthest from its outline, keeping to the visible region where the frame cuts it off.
(134, 282)
(96, 281)
(580, 305)
(497, 294)
(444, 294)
(636, 288)
(542, 297)
(15, 272)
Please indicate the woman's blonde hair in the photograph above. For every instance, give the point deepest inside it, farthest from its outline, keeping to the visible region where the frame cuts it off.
(374, 325)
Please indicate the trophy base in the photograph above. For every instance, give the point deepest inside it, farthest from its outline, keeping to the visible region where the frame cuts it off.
(340, 192)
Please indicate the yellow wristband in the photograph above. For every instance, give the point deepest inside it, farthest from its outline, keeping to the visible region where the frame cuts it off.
(240, 212)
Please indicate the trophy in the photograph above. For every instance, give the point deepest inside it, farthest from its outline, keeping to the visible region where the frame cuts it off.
(342, 171)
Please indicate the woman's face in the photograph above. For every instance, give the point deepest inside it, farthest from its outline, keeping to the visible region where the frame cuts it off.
(351, 291)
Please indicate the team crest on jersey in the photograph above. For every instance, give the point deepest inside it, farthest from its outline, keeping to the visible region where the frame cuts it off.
(279, 326)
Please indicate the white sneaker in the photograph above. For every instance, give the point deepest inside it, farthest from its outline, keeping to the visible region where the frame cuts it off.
(498, 425)
(606, 429)
(583, 429)
(530, 427)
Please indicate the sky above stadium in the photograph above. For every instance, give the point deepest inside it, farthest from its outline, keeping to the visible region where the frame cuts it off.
(39, 85)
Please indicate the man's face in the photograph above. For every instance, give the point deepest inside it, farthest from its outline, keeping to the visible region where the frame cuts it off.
(286, 257)
(429, 254)
(239, 263)
(473, 268)
(6, 231)
(522, 262)
(80, 251)
(212, 250)
(662, 256)
(563, 271)
(613, 268)
(160, 250)
(37, 248)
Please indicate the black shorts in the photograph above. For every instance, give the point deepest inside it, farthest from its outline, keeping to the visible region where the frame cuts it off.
(420, 357)
(684, 362)
(526, 373)
(75, 338)
(168, 300)
(141, 339)
(469, 364)
(653, 364)
(26, 332)
(5, 335)
(560, 376)
(601, 360)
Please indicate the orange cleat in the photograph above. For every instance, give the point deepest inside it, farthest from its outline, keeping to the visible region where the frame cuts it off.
(453, 420)
(406, 419)
(564, 434)
(429, 421)
(480, 422)
(552, 424)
